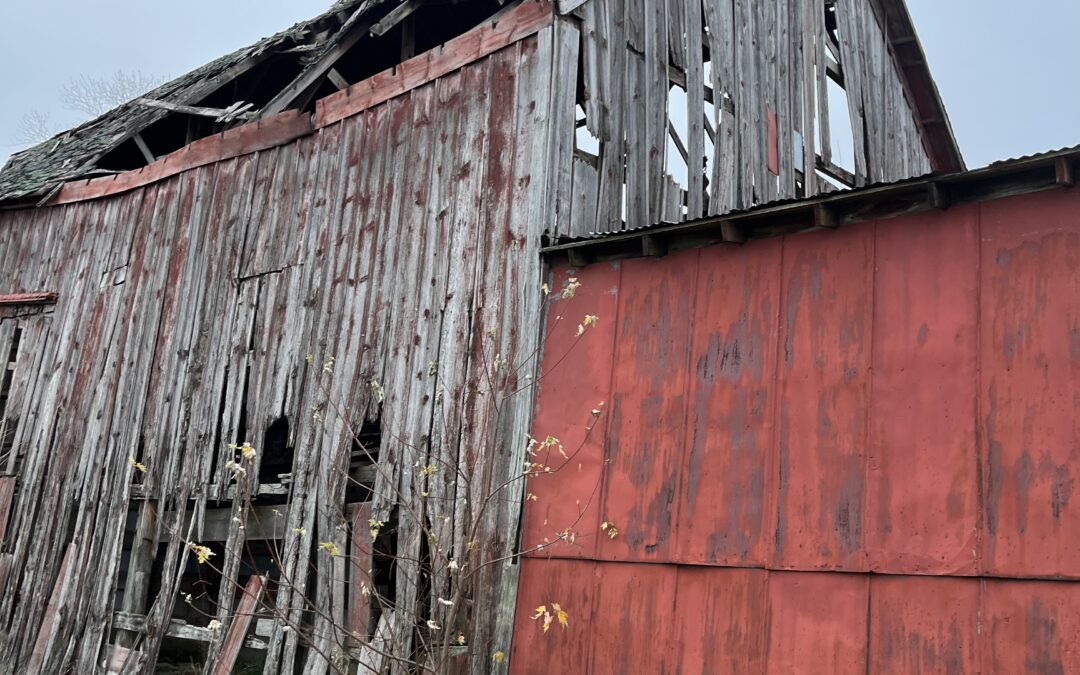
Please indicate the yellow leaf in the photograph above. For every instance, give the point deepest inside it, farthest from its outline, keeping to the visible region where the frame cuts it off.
(590, 320)
(498, 657)
(141, 468)
(539, 612)
(331, 548)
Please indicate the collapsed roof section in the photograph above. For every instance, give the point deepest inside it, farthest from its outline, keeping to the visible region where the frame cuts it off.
(292, 69)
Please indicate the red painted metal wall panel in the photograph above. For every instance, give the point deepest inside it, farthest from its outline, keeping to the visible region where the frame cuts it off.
(922, 497)
(817, 623)
(634, 609)
(575, 380)
(574, 585)
(892, 397)
(1031, 627)
(648, 416)
(1030, 356)
(924, 625)
(732, 399)
(720, 615)
(823, 399)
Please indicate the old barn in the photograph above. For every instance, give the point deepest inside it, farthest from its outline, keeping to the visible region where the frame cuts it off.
(526, 336)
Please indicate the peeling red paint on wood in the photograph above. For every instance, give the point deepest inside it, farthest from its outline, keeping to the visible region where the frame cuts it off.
(242, 140)
(38, 298)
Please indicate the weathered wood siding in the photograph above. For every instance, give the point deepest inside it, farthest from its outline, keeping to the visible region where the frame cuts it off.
(403, 242)
(762, 65)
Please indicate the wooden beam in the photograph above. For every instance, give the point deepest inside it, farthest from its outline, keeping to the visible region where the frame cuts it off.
(239, 110)
(338, 81)
(238, 627)
(136, 623)
(351, 32)
(1063, 172)
(679, 145)
(938, 196)
(825, 217)
(144, 149)
(395, 16)
(653, 247)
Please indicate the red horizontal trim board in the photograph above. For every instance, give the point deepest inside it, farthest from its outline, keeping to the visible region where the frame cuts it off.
(242, 140)
(488, 38)
(37, 298)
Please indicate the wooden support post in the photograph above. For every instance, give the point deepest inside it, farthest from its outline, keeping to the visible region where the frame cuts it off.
(1063, 172)
(360, 562)
(578, 257)
(140, 562)
(825, 216)
(653, 246)
(396, 16)
(238, 627)
(337, 80)
(144, 149)
(938, 195)
(408, 38)
(732, 233)
(7, 493)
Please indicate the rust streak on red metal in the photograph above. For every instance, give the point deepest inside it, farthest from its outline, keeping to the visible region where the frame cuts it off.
(731, 403)
(922, 487)
(823, 395)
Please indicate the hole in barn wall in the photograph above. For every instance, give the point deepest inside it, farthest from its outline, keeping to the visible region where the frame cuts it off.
(584, 141)
(678, 136)
(9, 419)
(276, 457)
(363, 456)
(840, 129)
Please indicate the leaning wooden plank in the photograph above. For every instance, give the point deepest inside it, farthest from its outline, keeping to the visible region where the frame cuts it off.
(234, 639)
(487, 38)
(567, 6)
(53, 614)
(242, 140)
(695, 110)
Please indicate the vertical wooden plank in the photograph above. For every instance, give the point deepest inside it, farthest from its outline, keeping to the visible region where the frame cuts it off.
(648, 418)
(1029, 352)
(823, 398)
(360, 565)
(695, 108)
(613, 148)
(817, 623)
(922, 498)
(238, 628)
(726, 510)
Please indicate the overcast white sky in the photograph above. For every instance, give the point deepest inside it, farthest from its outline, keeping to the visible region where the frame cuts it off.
(1005, 69)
